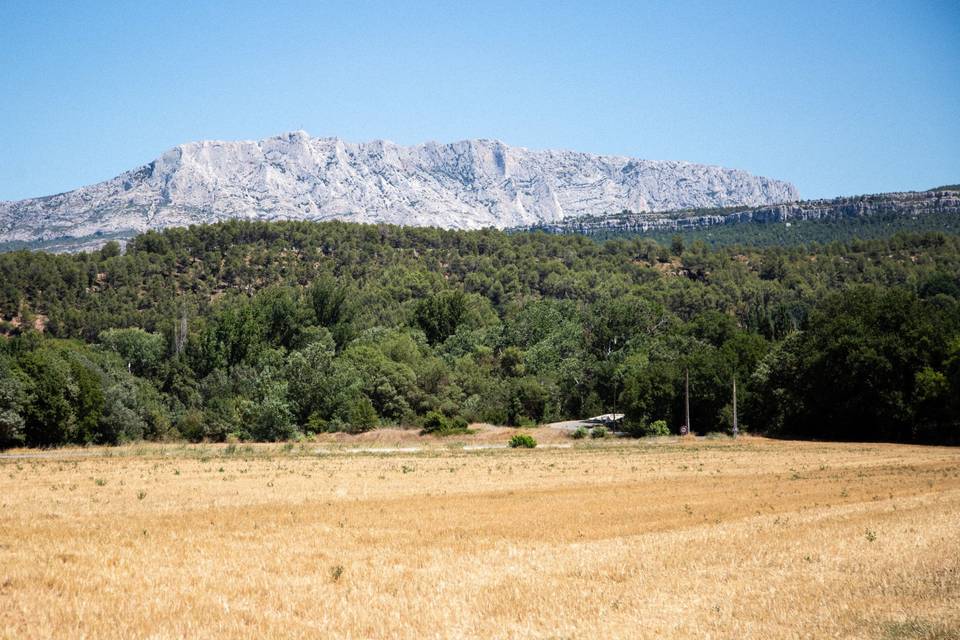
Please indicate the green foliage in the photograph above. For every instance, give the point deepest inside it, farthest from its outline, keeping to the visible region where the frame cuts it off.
(438, 424)
(439, 314)
(434, 421)
(49, 417)
(246, 330)
(110, 249)
(13, 403)
(676, 245)
(598, 432)
(579, 433)
(522, 441)
(333, 307)
(874, 363)
(363, 416)
(657, 428)
(143, 352)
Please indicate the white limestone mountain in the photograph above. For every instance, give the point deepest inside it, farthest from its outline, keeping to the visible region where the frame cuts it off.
(464, 185)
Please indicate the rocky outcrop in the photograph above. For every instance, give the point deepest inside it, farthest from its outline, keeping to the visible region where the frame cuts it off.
(465, 185)
(912, 203)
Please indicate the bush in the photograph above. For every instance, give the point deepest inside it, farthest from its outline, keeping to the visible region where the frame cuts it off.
(190, 425)
(580, 433)
(440, 425)
(657, 428)
(522, 440)
(434, 422)
(598, 432)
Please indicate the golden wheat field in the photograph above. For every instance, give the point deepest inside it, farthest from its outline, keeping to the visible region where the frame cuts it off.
(653, 539)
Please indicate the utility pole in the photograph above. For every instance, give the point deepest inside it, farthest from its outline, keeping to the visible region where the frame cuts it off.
(736, 430)
(686, 397)
(614, 394)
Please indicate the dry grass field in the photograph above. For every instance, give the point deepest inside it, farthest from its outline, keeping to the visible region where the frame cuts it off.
(666, 539)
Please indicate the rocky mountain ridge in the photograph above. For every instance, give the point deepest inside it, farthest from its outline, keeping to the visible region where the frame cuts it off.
(464, 185)
(909, 203)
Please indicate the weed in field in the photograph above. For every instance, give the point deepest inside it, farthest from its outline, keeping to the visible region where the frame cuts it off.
(141, 494)
(914, 629)
(522, 440)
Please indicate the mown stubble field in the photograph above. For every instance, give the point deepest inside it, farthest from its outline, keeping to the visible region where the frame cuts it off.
(669, 539)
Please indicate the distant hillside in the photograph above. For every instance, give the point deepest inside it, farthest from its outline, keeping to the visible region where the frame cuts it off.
(927, 210)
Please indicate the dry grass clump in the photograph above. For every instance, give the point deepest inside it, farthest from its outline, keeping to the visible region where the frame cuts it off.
(673, 539)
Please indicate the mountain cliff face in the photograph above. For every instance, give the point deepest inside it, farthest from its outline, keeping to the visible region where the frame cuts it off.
(911, 203)
(465, 185)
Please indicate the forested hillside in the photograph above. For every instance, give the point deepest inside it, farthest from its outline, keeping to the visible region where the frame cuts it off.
(272, 330)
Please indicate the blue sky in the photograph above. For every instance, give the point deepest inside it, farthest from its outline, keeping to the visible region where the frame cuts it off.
(838, 97)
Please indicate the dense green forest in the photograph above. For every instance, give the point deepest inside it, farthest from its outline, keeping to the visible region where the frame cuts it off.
(271, 331)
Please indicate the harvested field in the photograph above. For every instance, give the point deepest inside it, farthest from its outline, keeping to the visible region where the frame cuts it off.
(654, 539)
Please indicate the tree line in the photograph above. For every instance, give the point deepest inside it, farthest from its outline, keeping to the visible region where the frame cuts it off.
(270, 331)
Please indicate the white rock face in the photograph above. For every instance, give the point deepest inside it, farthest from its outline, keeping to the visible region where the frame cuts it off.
(464, 185)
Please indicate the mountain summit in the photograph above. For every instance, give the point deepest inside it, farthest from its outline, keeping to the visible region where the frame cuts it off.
(464, 185)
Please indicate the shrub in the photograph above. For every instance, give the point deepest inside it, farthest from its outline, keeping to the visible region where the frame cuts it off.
(598, 432)
(580, 433)
(657, 428)
(522, 440)
(438, 424)
(190, 425)
(434, 422)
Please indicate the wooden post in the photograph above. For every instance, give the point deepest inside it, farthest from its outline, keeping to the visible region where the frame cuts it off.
(736, 430)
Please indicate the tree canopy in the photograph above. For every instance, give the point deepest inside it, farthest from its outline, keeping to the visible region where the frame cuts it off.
(269, 331)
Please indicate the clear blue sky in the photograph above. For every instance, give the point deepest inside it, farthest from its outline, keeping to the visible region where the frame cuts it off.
(840, 97)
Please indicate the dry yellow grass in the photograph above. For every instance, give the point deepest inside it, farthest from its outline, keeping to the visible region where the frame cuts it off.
(718, 539)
